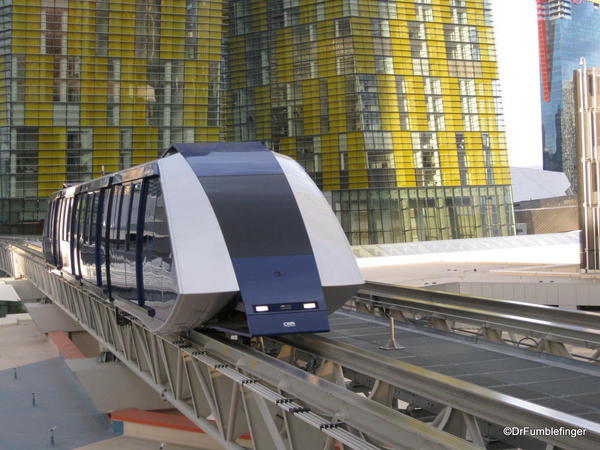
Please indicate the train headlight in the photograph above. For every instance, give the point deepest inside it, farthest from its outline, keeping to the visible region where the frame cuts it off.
(311, 305)
(261, 308)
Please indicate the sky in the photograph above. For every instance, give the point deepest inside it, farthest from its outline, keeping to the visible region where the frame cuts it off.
(515, 23)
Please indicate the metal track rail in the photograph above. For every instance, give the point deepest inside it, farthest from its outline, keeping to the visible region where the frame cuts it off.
(553, 324)
(228, 389)
(476, 401)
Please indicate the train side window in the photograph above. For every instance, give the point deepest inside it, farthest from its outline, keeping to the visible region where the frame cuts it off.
(105, 219)
(85, 219)
(68, 213)
(118, 214)
(93, 217)
(114, 214)
(159, 280)
(130, 253)
(133, 216)
(59, 219)
(150, 267)
(63, 218)
(126, 212)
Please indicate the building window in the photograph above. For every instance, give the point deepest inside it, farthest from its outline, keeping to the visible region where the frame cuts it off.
(291, 12)
(305, 61)
(418, 49)
(368, 102)
(343, 27)
(426, 159)
(380, 28)
(384, 64)
(59, 72)
(243, 114)
(320, 10)
(102, 27)
(191, 29)
(114, 86)
(308, 152)
(147, 28)
(73, 79)
(214, 94)
(469, 105)
(416, 30)
(324, 105)
(403, 107)
(463, 162)
(420, 66)
(488, 158)
(424, 13)
(18, 78)
(154, 94)
(241, 17)
(459, 15)
(387, 9)
(379, 150)
(345, 65)
(25, 161)
(125, 148)
(434, 104)
(350, 7)
(79, 155)
(54, 27)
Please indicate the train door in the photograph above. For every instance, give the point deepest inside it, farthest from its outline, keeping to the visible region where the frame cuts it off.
(88, 246)
(47, 241)
(73, 233)
(65, 231)
(77, 228)
(132, 244)
(56, 224)
(118, 273)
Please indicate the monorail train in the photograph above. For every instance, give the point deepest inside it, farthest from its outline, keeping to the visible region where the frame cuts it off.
(223, 235)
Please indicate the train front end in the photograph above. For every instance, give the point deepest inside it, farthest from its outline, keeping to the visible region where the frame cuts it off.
(257, 248)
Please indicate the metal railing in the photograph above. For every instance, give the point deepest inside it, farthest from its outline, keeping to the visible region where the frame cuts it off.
(548, 324)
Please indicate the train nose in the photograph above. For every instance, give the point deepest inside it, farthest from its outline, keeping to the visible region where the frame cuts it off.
(281, 294)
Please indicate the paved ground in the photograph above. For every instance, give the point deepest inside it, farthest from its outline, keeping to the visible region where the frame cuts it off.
(61, 402)
(129, 443)
(428, 274)
(23, 344)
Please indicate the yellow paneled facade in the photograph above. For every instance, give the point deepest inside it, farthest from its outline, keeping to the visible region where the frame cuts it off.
(95, 86)
(393, 107)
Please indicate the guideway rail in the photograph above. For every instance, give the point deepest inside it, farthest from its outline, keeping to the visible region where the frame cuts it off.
(228, 389)
(556, 324)
(475, 400)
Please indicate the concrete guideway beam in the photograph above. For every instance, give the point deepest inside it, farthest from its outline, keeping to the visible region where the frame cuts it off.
(468, 398)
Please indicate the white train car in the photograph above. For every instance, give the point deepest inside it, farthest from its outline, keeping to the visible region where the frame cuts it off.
(224, 235)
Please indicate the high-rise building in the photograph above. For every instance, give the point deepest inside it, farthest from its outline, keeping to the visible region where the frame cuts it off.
(392, 106)
(95, 86)
(568, 30)
(586, 93)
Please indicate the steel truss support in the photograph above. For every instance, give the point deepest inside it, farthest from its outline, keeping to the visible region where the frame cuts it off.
(230, 390)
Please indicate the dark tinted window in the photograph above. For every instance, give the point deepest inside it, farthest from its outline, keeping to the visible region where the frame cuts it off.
(124, 220)
(159, 280)
(258, 215)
